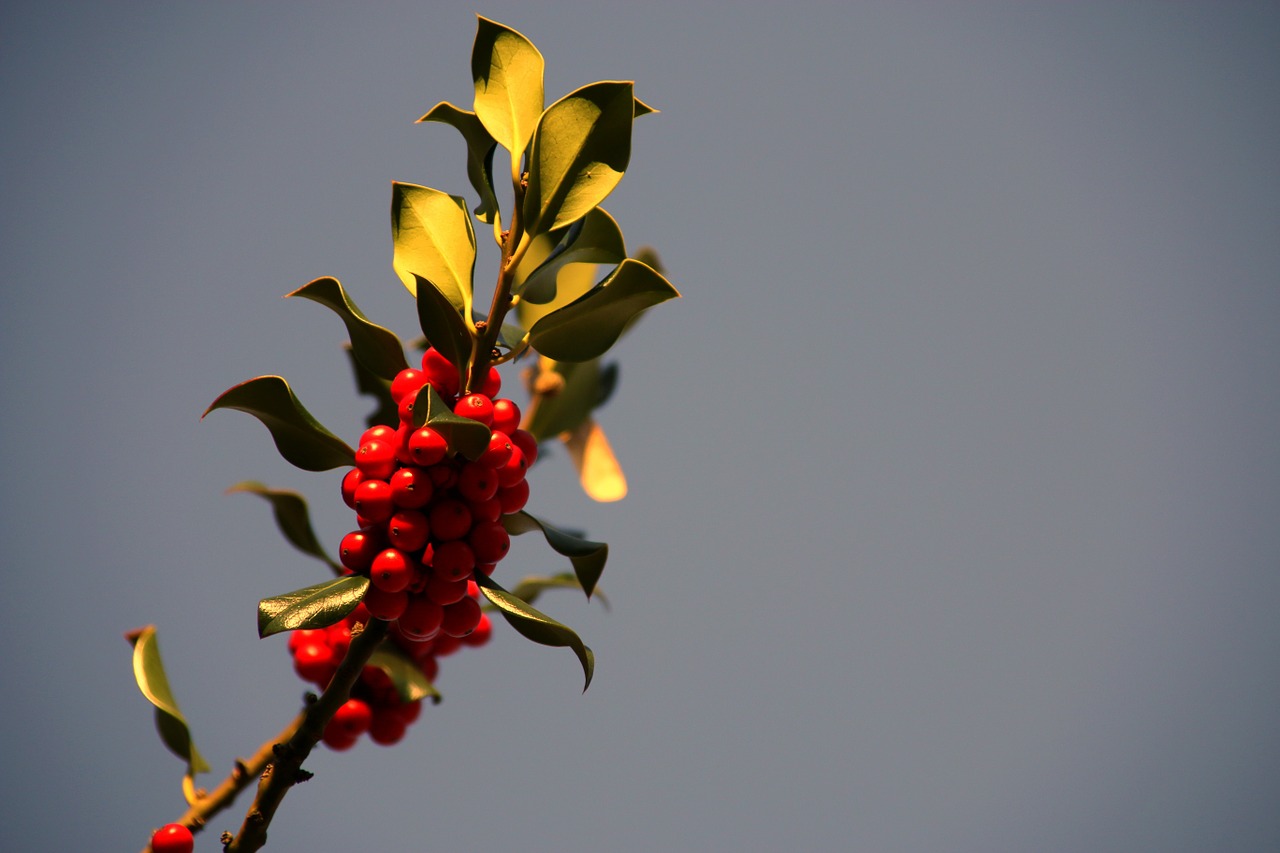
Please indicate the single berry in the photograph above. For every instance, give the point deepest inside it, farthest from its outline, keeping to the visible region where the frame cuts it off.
(510, 473)
(406, 383)
(384, 605)
(461, 618)
(440, 372)
(528, 445)
(453, 560)
(351, 719)
(373, 500)
(427, 447)
(478, 407)
(497, 453)
(492, 383)
(408, 530)
(489, 542)
(477, 482)
(449, 519)
(376, 458)
(490, 510)
(506, 416)
(315, 662)
(381, 432)
(357, 550)
(349, 483)
(387, 727)
(172, 838)
(391, 571)
(411, 488)
(421, 618)
(514, 497)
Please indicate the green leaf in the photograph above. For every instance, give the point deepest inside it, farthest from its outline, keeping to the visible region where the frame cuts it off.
(317, 606)
(376, 387)
(535, 625)
(433, 239)
(507, 70)
(588, 558)
(377, 348)
(580, 150)
(410, 682)
(588, 326)
(480, 148)
(565, 409)
(299, 437)
(643, 109)
(292, 517)
(594, 239)
(531, 588)
(463, 435)
(148, 671)
(443, 326)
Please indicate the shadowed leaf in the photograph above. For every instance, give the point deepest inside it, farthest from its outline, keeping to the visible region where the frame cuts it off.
(148, 671)
(535, 625)
(594, 239)
(292, 517)
(480, 148)
(317, 606)
(299, 437)
(464, 435)
(408, 678)
(378, 349)
(443, 326)
(531, 588)
(588, 558)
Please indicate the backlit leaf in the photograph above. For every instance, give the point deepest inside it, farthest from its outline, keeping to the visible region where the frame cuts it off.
(529, 589)
(598, 469)
(535, 625)
(432, 237)
(377, 348)
(588, 558)
(317, 606)
(298, 436)
(507, 70)
(292, 517)
(588, 326)
(594, 239)
(580, 150)
(480, 148)
(148, 671)
(571, 405)
(406, 676)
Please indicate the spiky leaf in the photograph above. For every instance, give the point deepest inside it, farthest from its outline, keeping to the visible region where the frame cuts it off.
(535, 625)
(433, 239)
(292, 517)
(588, 558)
(480, 148)
(507, 70)
(377, 348)
(299, 437)
(317, 606)
(148, 671)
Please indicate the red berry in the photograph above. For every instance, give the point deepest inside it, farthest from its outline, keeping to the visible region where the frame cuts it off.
(306, 635)
(349, 483)
(410, 488)
(315, 662)
(492, 383)
(421, 619)
(387, 727)
(477, 482)
(338, 636)
(449, 519)
(352, 718)
(440, 372)
(404, 409)
(407, 530)
(391, 571)
(172, 838)
(407, 382)
(373, 500)
(514, 497)
(506, 416)
(490, 510)
(427, 447)
(489, 541)
(337, 740)
(376, 458)
(513, 470)
(383, 605)
(528, 445)
(498, 451)
(453, 560)
(357, 550)
(444, 645)
(382, 432)
(478, 407)
(482, 633)
(409, 711)
(461, 618)
(443, 476)
(444, 591)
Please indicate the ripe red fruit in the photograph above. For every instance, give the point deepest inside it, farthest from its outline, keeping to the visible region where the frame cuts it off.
(498, 451)
(387, 727)
(376, 458)
(411, 488)
(357, 550)
(449, 519)
(427, 447)
(315, 662)
(408, 530)
(172, 838)
(444, 591)
(384, 605)
(514, 497)
(513, 470)
(349, 482)
(351, 719)
(391, 571)
(506, 416)
(482, 511)
(478, 407)
(492, 383)
(421, 619)
(490, 542)
(482, 633)
(477, 482)
(453, 560)
(440, 372)
(528, 445)
(407, 382)
(373, 500)
(461, 618)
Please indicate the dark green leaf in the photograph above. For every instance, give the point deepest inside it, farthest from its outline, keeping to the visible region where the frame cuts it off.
(410, 682)
(588, 326)
(464, 435)
(378, 349)
(643, 109)
(292, 517)
(480, 148)
(443, 326)
(507, 70)
(580, 150)
(596, 239)
(148, 671)
(317, 606)
(377, 388)
(588, 558)
(432, 237)
(568, 407)
(299, 437)
(530, 588)
(535, 625)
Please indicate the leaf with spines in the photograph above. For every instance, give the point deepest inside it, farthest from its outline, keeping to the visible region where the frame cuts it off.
(588, 558)
(148, 671)
(480, 149)
(406, 676)
(507, 70)
(292, 517)
(463, 435)
(299, 437)
(317, 606)
(588, 326)
(580, 150)
(433, 239)
(377, 348)
(535, 625)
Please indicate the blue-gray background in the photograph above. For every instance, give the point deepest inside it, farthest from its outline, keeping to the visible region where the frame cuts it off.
(955, 512)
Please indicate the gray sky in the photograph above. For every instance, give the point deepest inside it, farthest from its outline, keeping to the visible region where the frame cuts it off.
(954, 476)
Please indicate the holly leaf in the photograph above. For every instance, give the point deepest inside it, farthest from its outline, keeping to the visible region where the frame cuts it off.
(299, 437)
(148, 671)
(443, 325)
(567, 407)
(507, 70)
(588, 558)
(480, 148)
(595, 239)
(408, 678)
(580, 150)
(535, 625)
(598, 469)
(317, 606)
(463, 435)
(376, 387)
(588, 326)
(433, 239)
(292, 517)
(375, 347)
(529, 589)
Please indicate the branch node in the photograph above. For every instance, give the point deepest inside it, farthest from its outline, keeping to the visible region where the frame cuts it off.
(302, 775)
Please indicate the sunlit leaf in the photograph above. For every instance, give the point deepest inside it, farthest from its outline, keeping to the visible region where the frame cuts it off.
(377, 348)
(598, 469)
(463, 435)
(433, 239)
(535, 625)
(292, 517)
(148, 671)
(317, 606)
(580, 150)
(643, 109)
(299, 437)
(406, 676)
(594, 239)
(480, 148)
(588, 326)
(588, 558)
(507, 70)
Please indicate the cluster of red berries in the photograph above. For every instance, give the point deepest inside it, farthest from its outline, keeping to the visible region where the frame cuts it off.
(427, 519)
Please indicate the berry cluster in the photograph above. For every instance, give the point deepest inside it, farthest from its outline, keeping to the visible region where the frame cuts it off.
(427, 520)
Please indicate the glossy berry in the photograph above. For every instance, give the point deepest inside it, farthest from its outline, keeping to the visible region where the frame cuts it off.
(384, 605)
(514, 497)
(351, 719)
(373, 500)
(391, 571)
(427, 447)
(489, 542)
(477, 482)
(478, 407)
(492, 383)
(453, 560)
(349, 483)
(407, 382)
(357, 550)
(440, 373)
(528, 445)
(376, 458)
(509, 474)
(408, 530)
(411, 488)
(315, 662)
(497, 453)
(172, 838)
(506, 416)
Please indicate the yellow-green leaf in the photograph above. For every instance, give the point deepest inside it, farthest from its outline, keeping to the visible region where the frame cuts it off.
(507, 70)
(598, 469)
(299, 437)
(148, 671)
(593, 239)
(432, 236)
(317, 606)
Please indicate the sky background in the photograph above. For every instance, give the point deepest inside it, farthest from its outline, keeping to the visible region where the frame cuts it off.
(954, 520)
